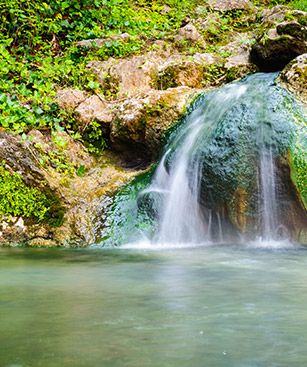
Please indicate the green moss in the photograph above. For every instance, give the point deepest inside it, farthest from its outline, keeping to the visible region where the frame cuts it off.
(19, 199)
(299, 171)
(212, 73)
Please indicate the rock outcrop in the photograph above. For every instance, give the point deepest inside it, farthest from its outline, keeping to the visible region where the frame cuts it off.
(140, 123)
(228, 5)
(61, 169)
(294, 77)
(277, 47)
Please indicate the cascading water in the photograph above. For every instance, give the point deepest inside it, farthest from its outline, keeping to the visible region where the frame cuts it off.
(181, 218)
(268, 200)
(217, 181)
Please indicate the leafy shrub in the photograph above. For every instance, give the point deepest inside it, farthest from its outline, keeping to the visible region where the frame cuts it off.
(18, 199)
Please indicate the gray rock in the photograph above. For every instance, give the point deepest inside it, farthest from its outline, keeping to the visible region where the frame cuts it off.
(278, 46)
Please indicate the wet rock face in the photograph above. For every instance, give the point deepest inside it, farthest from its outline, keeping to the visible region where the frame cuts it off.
(230, 160)
(275, 49)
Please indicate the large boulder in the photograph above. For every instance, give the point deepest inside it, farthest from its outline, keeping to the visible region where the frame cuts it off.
(294, 78)
(54, 174)
(230, 158)
(140, 123)
(183, 71)
(125, 78)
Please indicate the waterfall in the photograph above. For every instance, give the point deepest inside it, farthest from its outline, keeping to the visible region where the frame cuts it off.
(222, 177)
(268, 200)
(180, 217)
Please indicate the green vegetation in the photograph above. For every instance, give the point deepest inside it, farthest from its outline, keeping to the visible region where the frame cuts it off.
(299, 172)
(38, 51)
(18, 199)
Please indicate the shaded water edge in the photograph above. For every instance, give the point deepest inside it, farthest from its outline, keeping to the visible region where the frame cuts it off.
(229, 160)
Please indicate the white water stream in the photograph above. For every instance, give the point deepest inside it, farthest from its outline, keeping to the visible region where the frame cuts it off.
(181, 218)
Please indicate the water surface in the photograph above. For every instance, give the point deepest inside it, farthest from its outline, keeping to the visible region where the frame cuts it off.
(193, 307)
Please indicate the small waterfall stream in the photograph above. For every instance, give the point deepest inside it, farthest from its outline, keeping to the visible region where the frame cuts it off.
(268, 201)
(181, 218)
(221, 178)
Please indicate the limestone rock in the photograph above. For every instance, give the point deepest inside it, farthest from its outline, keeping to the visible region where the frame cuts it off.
(181, 73)
(227, 5)
(239, 50)
(190, 33)
(127, 77)
(94, 108)
(294, 77)
(62, 144)
(69, 98)
(141, 122)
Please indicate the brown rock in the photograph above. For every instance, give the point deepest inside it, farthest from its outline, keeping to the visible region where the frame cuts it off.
(141, 122)
(190, 33)
(227, 5)
(127, 77)
(181, 73)
(69, 99)
(94, 108)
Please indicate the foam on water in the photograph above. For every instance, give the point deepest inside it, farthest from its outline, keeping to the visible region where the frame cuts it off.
(271, 244)
(149, 245)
